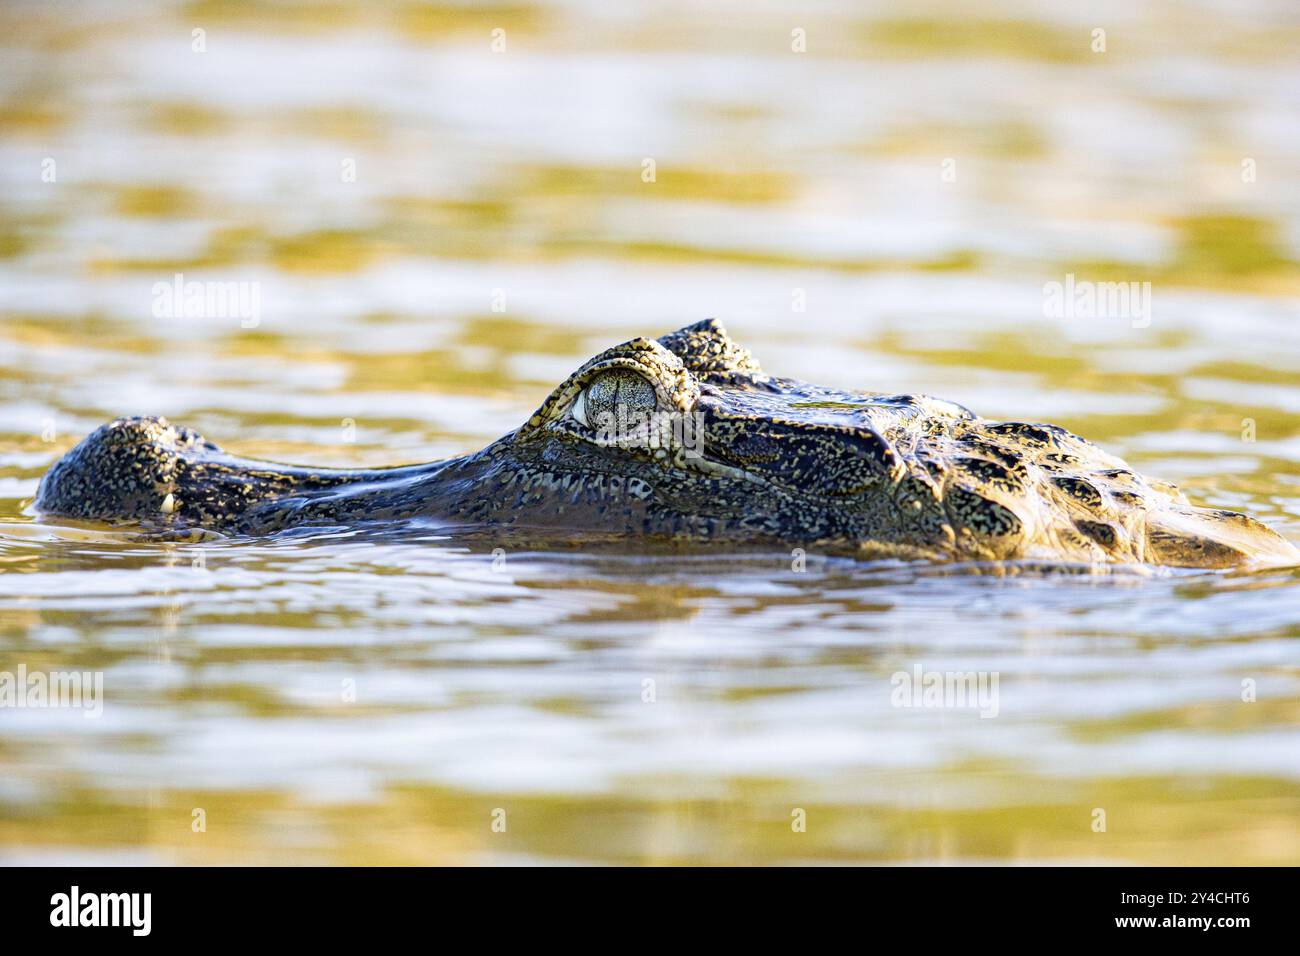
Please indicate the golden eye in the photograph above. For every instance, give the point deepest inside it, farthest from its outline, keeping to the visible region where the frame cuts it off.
(611, 391)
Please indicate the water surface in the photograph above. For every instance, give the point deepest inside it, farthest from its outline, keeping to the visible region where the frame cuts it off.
(881, 211)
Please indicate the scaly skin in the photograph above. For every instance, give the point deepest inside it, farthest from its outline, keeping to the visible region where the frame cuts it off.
(773, 462)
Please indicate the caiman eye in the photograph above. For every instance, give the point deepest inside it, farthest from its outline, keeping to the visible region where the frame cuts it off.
(609, 391)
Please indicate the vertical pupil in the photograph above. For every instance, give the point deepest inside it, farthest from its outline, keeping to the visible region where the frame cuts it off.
(619, 388)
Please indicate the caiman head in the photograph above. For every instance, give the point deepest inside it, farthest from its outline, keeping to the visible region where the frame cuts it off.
(685, 439)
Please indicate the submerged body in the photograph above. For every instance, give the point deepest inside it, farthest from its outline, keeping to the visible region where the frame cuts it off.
(685, 438)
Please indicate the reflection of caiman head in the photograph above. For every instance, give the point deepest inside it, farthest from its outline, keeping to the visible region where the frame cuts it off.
(685, 438)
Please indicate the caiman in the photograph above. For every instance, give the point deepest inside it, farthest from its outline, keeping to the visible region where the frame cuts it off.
(686, 439)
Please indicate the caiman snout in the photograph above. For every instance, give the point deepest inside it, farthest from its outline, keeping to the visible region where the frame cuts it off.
(127, 469)
(149, 470)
